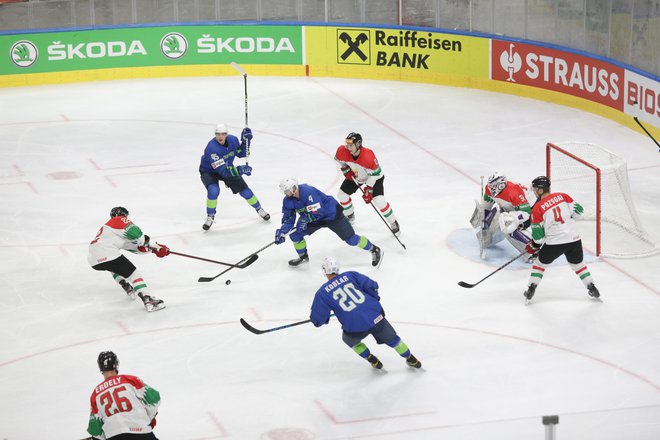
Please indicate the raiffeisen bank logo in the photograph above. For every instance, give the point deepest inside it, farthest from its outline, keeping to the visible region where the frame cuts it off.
(173, 45)
(24, 53)
(511, 62)
(353, 46)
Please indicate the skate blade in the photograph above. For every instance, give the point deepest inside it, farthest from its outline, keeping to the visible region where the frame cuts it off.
(151, 308)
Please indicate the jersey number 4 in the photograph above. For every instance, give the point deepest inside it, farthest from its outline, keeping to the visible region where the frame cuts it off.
(348, 297)
(114, 403)
(557, 212)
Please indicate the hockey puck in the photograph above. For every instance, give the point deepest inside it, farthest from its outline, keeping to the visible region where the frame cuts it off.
(228, 282)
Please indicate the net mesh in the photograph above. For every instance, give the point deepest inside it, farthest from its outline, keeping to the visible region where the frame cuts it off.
(622, 234)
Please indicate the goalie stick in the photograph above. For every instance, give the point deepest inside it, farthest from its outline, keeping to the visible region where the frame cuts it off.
(241, 265)
(256, 331)
(469, 286)
(242, 72)
(379, 214)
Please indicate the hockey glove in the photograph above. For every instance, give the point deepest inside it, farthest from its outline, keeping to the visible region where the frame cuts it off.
(301, 227)
(532, 248)
(348, 172)
(489, 215)
(280, 236)
(246, 135)
(230, 171)
(145, 246)
(244, 169)
(160, 250)
(368, 195)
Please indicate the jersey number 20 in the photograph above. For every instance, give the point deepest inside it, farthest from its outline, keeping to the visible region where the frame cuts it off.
(348, 297)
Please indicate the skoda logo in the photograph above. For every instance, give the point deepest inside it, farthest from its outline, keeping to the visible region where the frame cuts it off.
(174, 45)
(24, 53)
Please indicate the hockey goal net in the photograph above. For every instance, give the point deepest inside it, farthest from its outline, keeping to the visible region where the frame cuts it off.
(598, 180)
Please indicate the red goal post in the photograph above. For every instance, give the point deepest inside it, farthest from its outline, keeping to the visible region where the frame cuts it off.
(598, 180)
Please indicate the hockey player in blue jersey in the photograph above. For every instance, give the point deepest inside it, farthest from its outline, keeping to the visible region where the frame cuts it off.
(316, 210)
(217, 165)
(354, 299)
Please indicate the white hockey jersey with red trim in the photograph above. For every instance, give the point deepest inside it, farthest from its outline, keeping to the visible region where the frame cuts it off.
(365, 166)
(552, 219)
(118, 233)
(122, 404)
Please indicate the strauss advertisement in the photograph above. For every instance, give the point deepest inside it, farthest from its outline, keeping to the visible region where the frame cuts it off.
(564, 72)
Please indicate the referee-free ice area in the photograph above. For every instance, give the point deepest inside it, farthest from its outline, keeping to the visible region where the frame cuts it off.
(492, 367)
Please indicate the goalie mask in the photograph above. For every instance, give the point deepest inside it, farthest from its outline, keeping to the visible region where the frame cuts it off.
(496, 183)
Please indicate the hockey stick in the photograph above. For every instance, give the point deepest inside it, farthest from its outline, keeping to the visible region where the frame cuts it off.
(241, 265)
(379, 214)
(242, 72)
(256, 331)
(244, 261)
(469, 286)
(647, 132)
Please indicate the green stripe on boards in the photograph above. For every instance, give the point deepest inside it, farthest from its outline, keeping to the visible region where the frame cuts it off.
(584, 275)
(359, 348)
(362, 244)
(211, 204)
(536, 274)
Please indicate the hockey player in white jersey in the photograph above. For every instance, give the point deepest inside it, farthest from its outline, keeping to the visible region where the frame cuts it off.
(505, 207)
(123, 407)
(554, 234)
(117, 234)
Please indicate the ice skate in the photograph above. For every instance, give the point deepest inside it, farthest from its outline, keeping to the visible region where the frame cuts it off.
(593, 291)
(209, 221)
(152, 304)
(412, 361)
(263, 214)
(351, 218)
(376, 256)
(529, 293)
(395, 228)
(304, 258)
(128, 289)
(375, 362)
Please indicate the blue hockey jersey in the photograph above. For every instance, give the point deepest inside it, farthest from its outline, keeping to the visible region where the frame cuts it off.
(312, 206)
(353, 298)
(217, 157)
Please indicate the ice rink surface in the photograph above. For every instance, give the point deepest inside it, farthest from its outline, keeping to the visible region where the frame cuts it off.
(492, 366)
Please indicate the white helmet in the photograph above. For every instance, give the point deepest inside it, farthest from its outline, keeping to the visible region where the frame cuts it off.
(496, 183)
(288, 184)
(330, 266)
(221, 128)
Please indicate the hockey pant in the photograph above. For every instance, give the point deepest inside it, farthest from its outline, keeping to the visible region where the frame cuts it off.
(122, 269)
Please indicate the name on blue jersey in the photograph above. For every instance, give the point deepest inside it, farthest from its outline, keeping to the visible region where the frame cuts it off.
(337, 281)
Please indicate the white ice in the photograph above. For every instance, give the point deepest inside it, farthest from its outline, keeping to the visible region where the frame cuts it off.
(492, 366)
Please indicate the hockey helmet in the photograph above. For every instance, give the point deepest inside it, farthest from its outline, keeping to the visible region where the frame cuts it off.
(288, 184)
(496, 183)
(541, 182)
(107, 361)
(119, 211)
(221, 128)
(356, 139)
(330, 266)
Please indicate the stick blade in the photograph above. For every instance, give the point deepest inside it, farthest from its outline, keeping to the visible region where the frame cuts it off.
(466, 285)
(249, 328)
(205, 279)
(249, 260)
(240, 70)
